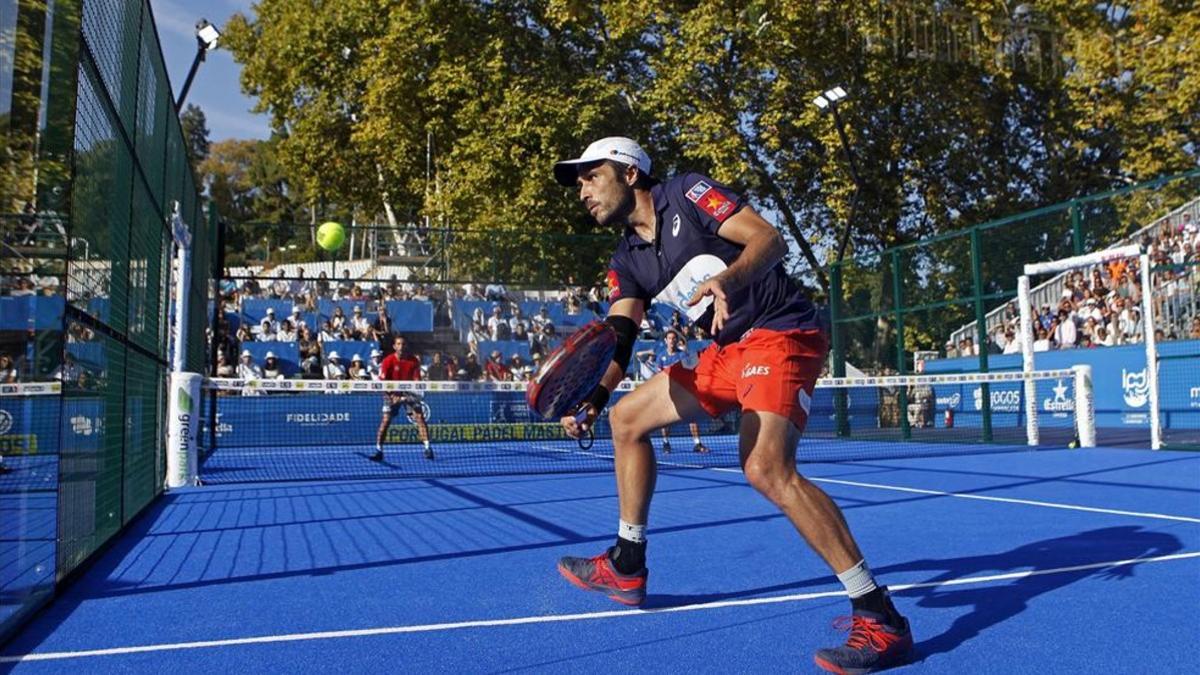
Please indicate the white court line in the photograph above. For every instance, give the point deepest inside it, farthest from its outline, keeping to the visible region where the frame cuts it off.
(1007, 500)
(939, 493)
(559, 618)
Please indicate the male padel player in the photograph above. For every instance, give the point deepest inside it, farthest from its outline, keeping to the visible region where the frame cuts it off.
(673, 352)
(400, 365)
(693, 244)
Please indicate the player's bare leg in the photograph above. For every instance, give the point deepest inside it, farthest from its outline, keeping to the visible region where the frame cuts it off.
(620, 572)
(879, 635)
(383, 427)
(418, 418)
(767, 449)
(657, 403)
(697, 444)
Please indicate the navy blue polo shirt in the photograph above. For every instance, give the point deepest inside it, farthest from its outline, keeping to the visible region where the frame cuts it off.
(687, 251)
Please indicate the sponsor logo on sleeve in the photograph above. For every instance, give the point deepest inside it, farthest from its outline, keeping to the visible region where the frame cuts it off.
(614, 285)
(710, 200)
(697, 191)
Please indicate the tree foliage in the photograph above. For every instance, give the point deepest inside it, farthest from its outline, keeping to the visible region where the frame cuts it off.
(249, 188)
(195, 132)
(994, 114)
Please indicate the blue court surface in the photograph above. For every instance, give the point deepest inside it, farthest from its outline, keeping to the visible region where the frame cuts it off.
(1050, 561)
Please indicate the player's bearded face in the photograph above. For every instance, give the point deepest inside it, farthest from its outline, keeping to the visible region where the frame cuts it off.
(606, 195)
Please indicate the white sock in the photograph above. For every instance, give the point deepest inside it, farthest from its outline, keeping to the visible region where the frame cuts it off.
(858, 580)
(379, 447)
(696, 441)
(426, 444)
(630, 532)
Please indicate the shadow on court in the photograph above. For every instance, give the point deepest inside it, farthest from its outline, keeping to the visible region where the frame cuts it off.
(991, 603)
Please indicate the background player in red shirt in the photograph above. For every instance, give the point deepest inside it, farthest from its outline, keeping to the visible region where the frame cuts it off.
(400, 365)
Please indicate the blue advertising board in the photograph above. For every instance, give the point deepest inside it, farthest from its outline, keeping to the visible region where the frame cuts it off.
(1121, 387)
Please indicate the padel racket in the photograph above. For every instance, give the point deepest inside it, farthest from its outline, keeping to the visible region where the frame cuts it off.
(572, 371)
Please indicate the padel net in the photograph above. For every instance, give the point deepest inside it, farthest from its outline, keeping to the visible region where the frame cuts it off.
(272, 430)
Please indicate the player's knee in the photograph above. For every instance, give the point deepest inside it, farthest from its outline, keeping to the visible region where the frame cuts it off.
(769, 477)
(623, 420)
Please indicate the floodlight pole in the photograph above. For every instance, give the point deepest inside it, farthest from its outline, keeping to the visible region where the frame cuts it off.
(829, 101)
(203, 27)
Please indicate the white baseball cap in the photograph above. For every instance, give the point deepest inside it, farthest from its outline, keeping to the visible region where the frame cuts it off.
(270, 310)
(245, 353)
(270, 355)
(616, 148)
(356, 357)
(295, 309)
(376, 352)
(333, 355)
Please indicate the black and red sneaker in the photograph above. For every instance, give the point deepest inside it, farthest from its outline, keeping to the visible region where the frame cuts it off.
(598, 574)
(873, 645)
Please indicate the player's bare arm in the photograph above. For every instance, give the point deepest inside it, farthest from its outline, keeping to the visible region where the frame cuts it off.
(764, 248)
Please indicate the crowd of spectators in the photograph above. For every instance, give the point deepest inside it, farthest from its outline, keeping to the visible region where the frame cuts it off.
(1102, 306)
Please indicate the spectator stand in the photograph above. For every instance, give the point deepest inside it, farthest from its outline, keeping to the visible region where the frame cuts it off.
(288, 354)
(346, 349)
(1165, 236)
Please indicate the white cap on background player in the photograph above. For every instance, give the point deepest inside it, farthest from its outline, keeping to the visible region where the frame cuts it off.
(616, 148)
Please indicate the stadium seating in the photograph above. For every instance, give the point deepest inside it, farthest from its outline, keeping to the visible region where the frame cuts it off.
(288, 354)
(346, 349)
(508, 348)
(31, 312)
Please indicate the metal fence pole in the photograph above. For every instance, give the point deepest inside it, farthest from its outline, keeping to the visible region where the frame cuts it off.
(837, 347)
(985, 408)
(898, 305)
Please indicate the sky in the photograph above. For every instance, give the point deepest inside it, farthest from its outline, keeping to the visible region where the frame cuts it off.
(216, 88)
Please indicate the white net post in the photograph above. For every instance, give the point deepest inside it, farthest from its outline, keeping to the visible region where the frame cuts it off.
(183, 389)
(1085, 407)
(1031, 408)
(183, 429)
(1148, 323)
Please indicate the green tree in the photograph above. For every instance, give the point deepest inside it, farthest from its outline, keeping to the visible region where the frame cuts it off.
(251, 192)
(195, 132)
(959, 112)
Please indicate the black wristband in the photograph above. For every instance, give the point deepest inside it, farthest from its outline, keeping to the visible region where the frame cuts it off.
(598, 398)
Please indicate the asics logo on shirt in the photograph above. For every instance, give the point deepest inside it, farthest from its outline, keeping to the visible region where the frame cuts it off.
(675, 226)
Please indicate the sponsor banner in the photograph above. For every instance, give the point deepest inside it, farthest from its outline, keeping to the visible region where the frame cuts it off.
(29, 425)
(451, 433)
(1121, 386)
(30, 389)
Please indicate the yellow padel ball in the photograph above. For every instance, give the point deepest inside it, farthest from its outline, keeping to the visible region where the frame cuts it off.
(331, 236)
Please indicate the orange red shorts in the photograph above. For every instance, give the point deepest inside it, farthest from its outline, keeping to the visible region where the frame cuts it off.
(766, 371)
